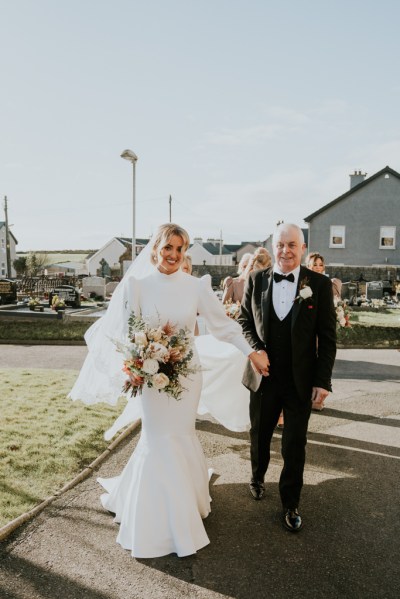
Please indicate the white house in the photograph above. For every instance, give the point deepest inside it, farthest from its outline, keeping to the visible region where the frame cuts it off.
(3, 251)
(210, 253)
(111, 253)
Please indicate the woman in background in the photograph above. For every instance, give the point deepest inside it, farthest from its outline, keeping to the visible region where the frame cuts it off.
(233, 287)
(316, 262)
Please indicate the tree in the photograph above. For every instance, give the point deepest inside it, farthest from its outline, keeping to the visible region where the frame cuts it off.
(35, 263)
(20, 265)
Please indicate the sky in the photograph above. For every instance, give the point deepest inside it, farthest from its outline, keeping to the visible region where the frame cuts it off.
(246, 112)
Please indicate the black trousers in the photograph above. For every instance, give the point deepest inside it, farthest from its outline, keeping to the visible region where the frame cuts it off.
(265, 406)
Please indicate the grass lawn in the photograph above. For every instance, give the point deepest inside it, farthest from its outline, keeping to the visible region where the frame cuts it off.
(46, 439)
(387, 318)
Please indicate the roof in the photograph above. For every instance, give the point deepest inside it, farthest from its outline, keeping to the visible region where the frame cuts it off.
(386, 170)
(127, 241)
(213, 249)
(68, 265)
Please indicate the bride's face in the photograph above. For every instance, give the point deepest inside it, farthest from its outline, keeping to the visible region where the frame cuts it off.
(170, 256)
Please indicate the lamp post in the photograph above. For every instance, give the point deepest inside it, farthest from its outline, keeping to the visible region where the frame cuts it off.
(131, 156)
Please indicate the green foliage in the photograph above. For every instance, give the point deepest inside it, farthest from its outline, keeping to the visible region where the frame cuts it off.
(46, 438)
(20, 265)
(43, 330)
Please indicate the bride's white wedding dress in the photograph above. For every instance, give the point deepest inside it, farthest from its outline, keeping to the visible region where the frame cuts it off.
(162, 494)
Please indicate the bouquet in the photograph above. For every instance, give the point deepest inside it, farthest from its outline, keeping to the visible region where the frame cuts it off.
(57, 303)
(232, 309)
(156, 357)
(342, 314)
(33, 302)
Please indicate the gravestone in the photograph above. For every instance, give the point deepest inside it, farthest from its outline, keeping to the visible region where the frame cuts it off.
(95, 285)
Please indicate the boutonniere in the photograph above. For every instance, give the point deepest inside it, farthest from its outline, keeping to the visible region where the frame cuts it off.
(305, 292)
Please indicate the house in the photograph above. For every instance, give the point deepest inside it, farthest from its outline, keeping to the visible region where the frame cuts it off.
(211, 252)
(246, 247)
(3, 252)
(362, 226)
(109, 257)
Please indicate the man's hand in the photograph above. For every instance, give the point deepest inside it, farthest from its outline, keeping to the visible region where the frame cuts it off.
(260, 362)
(318, 396)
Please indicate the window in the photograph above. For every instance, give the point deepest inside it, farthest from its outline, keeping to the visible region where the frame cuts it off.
(337, 238)
(3, 243)
(387, 238)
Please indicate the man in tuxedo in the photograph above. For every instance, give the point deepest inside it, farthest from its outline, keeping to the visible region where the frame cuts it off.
(287, 312)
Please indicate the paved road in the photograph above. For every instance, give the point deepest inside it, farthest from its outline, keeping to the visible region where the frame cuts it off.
(349, 547)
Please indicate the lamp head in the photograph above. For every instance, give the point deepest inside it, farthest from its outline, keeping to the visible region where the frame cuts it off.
(129, 155)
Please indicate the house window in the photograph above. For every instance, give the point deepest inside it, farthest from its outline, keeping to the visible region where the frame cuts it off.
(3, 243)
(387, 238)
(337, 236)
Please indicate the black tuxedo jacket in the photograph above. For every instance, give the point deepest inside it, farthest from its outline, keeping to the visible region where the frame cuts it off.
(313, 329)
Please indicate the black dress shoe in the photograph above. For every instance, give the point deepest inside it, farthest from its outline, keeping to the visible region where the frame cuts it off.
(292, 520)
(257, 489)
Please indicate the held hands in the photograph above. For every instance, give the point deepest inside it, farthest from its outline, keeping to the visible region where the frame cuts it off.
(260, 362)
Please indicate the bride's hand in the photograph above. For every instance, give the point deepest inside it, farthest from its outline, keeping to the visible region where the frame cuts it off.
(260, 362)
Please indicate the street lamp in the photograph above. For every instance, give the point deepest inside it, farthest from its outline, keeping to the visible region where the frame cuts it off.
(131, 156)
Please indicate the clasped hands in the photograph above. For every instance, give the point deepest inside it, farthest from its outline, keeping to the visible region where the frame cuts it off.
(260, 362)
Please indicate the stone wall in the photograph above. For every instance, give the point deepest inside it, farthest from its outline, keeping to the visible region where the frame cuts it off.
(368, 273)
(344, 273)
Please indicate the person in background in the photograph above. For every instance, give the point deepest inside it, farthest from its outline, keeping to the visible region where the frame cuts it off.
(233, 287)
(260, 259)
(316, 262)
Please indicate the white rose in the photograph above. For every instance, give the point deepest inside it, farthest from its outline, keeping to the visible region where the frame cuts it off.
(141, 339)
(305, 292)
(150, 366)
(160, 380)
(158, 351)
(342, 322)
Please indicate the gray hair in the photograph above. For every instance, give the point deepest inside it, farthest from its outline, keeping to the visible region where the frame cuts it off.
(284, 227)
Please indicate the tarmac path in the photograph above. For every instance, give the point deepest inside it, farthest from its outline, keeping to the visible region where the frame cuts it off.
(349, 547)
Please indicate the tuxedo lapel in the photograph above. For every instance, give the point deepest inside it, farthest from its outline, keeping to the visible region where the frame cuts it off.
(266, 299)
(297, 306)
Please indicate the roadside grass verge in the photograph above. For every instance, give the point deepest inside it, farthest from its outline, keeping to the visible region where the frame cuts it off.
(383, 318)
(43, 330)
(371, 329)
(46, 439)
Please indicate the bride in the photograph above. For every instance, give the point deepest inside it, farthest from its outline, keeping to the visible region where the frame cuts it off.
(162, 494)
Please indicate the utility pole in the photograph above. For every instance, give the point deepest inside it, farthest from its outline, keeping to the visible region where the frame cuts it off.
(8, 249)
(170, 209)
(220, 247)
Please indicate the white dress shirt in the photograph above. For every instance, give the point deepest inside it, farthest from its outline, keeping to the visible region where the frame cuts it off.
(284, 292)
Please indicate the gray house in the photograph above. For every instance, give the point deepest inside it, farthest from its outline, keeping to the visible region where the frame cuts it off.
(362, 226)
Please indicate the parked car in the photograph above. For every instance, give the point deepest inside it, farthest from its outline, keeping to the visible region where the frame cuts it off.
(71, 295)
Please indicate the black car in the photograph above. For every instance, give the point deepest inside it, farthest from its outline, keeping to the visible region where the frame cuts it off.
(71, 295)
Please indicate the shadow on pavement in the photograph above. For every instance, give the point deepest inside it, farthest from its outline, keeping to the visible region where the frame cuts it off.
(346, 369)
(350, 510)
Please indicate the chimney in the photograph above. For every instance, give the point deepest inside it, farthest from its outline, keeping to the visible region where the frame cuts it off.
(199, 240)
(356, 178)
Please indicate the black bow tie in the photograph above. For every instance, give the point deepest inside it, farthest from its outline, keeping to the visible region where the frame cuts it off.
(278, 278)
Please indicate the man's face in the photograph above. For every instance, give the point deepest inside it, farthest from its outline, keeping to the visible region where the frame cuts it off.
(288, 249)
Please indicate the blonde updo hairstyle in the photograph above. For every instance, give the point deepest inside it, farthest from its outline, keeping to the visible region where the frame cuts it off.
(162, 237)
